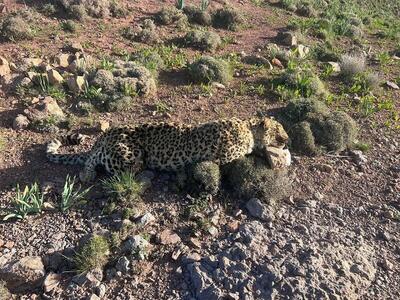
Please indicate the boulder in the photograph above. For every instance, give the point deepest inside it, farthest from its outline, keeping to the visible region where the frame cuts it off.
(24, 274)
(278, 158)
(44, 109)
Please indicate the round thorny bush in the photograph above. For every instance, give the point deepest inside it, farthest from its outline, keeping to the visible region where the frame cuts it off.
(203, 40)
(209, 69)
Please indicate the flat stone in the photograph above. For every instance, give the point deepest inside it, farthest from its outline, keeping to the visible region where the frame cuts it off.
(168, 237)
(259, 210)
(392, 85)
(146, 219)
(43, 109)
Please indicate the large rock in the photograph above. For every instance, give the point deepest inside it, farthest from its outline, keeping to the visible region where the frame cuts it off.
(44, 109)
(55, 77)
(287, 38)
(63, 60)
(4, 67)
(278, 158)
(76, 84)
(24, 274)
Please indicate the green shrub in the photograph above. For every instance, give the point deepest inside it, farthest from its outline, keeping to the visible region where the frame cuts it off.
(251, 177)
(93, 254)
(69, 26)
(197, 15)
(203, 40)
(227, 18)
(208, 69)
(70, 195)
(204, 177)
(169, 15)
(312, 127)
(123, 187)
(15, 28)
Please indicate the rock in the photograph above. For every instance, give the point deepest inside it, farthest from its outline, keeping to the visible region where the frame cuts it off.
(44, 109)
(358, 157)
(24, 274)
(259, 210)
(198, 276)
(93, 277)
(218, 85)
(335, 66)
(195, 242)
(101, 290)
(4, 67)
(146, 219)
(233, 226)
(302, 51)
(134, 244)
(104, 125)
(63, 60)
(168, 237)
(20, 122)
(287, 38)
(51, 281)
(27, 63)
(392, 85)
(212, 230)
(75, 47)
(122, 265)
(93, 297)
(278, 158)
(76, 84)
(277, 62)
(191, 258)
(55, 77)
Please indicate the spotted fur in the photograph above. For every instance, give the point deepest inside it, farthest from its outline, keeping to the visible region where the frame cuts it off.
(171, 146)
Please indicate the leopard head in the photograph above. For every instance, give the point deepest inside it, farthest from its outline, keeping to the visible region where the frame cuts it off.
(268, 132)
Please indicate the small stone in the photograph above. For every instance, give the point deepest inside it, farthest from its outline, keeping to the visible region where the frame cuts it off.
(4, 67)
(122, 265)
(358, 157)
(94, 277)
(76, 84)
(177, 252)
(384, 235)
(146, 219)
(168, 237)
(335, 66)
(134, 244)
(32, 62)
(218, 85)
(191, 258)
(302, 51)
(195, 242)
(212, 230)
(55, 77)
(75, 47)
(387, 265)
(101, 290)
(277, 62)
(51, 281)
(259, 210)
(94, 297)
(233, 226)
(104, 125)
(9, 244)
(392, 85)
(287, 38)
(20, 122)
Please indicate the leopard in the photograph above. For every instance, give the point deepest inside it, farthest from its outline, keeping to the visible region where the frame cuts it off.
(169, 146)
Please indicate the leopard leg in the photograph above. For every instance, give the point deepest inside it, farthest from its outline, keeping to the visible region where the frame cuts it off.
(88, 174)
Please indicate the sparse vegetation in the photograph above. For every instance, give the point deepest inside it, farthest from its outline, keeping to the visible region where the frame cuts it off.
(93, 254)
(198, 15)
(203, 40)
(29, 201)
(204, 177)
(70, 195)
(227, 18)
(352, 65)
(123, 187)
(169, 15)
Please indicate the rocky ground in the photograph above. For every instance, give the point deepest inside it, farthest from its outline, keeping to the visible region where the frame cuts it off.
(333, 235)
